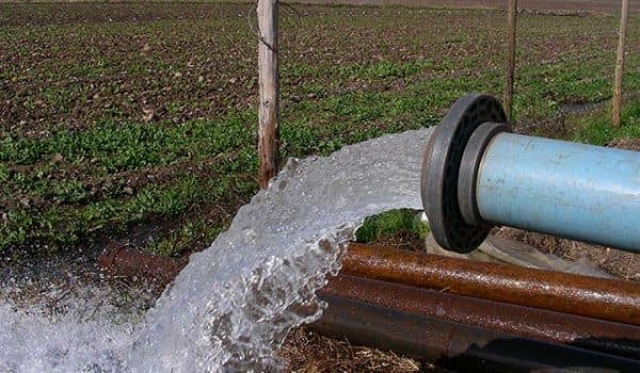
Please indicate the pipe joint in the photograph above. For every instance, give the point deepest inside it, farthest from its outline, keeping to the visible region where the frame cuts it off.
(477, 174)
(469, 168)
(453, 216)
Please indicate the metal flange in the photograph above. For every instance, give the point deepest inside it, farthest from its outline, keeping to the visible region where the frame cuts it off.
(441, 171)
(469, 167)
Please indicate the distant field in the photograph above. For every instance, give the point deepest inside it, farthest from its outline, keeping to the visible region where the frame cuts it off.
(136, 122)
(589, 6)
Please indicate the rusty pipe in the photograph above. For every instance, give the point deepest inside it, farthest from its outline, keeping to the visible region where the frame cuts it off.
(525, 322)
(455, 345)
(503, 317)
(588, 333)
(607, 299)
(118, 260)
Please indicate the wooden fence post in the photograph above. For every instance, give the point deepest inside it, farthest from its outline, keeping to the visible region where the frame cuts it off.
(617, 85)
(511, 58)
(267, 11)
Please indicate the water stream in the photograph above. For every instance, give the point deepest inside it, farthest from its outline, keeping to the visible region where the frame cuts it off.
(229, 309)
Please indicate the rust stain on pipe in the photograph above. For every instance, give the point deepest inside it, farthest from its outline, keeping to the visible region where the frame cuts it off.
(607, 299)
(526, 322)
(118, 260)
(454, 345)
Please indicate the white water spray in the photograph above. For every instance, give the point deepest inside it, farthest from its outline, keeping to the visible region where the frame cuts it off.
(232, 306)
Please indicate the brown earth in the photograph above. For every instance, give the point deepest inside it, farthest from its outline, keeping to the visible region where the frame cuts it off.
(621, 264)
(542, 6)
(306, 351)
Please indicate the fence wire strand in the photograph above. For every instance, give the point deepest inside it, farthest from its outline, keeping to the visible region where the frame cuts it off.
(291, 15)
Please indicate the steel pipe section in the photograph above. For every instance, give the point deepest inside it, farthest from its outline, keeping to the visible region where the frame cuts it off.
(120, 261)
(457, 326)
(522, 322)
(606, 299)
(477, 174)
(454, 345)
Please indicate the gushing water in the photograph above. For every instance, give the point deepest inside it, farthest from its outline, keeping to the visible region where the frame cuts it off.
(229, 309)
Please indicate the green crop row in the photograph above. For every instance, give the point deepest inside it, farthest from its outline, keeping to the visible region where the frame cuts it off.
(110, 125)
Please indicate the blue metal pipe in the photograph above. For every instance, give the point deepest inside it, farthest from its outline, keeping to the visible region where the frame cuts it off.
(477, 174)
(578, 191)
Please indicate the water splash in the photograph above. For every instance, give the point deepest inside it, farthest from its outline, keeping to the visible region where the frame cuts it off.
(87, 336)
(232, 306)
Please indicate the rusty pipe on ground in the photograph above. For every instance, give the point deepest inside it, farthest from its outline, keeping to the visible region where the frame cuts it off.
(455, 345)
(119, 260)
(524, 322)
(593, 334)
(607, 299)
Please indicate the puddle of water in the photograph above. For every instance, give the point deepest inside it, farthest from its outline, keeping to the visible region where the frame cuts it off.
(581, 108)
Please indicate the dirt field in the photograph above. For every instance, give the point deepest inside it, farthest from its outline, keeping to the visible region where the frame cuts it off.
(542, 6)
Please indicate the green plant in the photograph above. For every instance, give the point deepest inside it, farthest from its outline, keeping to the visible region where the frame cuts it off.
(596, 128)
(390, 222)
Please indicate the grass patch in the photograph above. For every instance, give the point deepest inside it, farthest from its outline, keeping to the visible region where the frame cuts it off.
(382, 226)
(597, 129)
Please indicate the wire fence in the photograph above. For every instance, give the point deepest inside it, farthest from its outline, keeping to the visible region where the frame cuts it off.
(602, 47)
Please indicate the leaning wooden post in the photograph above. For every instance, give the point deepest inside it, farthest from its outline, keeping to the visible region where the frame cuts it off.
(269, 89)
(511, 58)
(617, 85)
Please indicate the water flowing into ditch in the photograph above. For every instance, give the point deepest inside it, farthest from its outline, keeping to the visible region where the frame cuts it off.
(234, 302)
